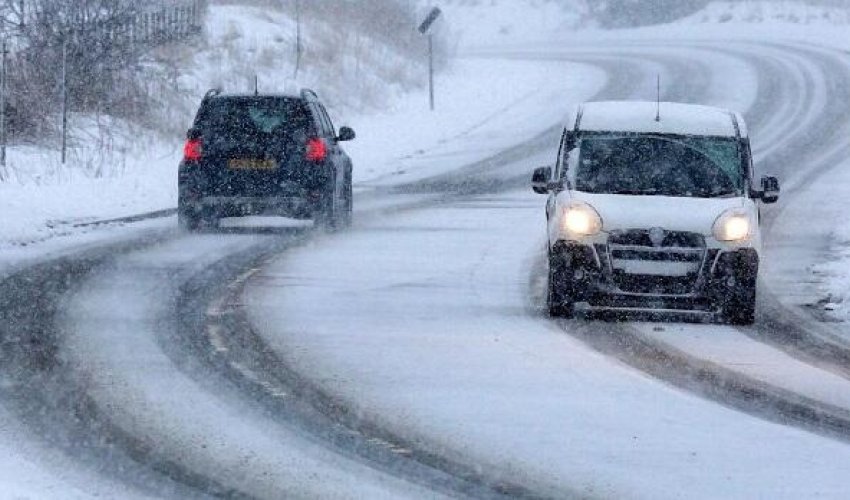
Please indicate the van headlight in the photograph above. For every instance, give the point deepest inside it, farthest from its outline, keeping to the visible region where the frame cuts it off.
(580, 219)
(733, 225)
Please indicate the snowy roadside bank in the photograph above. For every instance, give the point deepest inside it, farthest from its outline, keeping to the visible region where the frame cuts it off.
(485, 106)
(812, 266)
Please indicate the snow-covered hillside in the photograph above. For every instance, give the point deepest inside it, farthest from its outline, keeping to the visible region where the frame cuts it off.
(351, 70)
(482, 22)
(764, 11)
(120, 169)
(117, 169)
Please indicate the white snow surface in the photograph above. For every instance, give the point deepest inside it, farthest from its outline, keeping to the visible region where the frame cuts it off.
(812, 250)
(486, 22)
(770, 12)
(30, 471)
(114, 342)
(482, 292)
(487, 102)
(459, 358)
(733, 349)
(484, 106)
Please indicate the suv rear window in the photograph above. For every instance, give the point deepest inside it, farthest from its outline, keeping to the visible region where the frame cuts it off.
(227, 123)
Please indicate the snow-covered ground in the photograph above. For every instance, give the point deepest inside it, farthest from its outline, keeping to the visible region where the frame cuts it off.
(451, 285)
(812, 241)
(493, 104)
(503, 387)
(770, 12)
(459, 358)
(475, 23)
(120, 348)
(484, 106)
(33, 471)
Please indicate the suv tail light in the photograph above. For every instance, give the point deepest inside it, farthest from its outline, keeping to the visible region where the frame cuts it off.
(317, 150)
(193, 150)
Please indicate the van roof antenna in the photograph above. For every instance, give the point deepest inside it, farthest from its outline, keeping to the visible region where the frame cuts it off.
(256, 85)
(658, 100)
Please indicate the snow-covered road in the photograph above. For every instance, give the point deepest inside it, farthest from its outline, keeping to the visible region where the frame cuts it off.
(409, 357)
(424, 323)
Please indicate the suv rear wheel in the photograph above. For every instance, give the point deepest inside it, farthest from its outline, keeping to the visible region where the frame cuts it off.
(188, 220)
(326, 217)
(347, 212)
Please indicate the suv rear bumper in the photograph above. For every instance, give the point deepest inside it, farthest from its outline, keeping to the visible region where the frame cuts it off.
(297, 207)
(595, 285)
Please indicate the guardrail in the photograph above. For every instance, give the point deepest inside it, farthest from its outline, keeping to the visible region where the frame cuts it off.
(161, 22)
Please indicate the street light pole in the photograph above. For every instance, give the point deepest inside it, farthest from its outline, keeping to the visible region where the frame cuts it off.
(297, 38)
(431, 69)
(64, 100)
(3, 97)
(425, 29)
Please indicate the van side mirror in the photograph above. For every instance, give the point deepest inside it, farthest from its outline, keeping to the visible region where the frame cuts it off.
(770, 189)
(540, 180)
(346, 134)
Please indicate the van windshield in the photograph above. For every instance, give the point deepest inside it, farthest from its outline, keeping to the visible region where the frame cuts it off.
(699, 167)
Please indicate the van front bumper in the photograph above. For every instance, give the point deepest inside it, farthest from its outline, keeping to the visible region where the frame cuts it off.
(604, 277)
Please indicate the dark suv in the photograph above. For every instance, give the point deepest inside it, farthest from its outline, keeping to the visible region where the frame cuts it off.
(264, 155)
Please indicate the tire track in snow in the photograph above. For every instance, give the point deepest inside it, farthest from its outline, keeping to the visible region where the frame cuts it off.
(253, 369)
(621, 88)
(39, 386)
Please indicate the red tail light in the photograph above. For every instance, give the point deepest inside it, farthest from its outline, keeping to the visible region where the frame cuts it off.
(317, 150)
(193, 150)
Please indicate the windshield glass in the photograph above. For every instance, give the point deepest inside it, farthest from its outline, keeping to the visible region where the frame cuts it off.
(701, 167)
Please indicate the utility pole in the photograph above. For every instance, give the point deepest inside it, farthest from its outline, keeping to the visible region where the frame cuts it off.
(425, 29)
(3, 97)
(431, 69)
(65, 99)
(298, 48)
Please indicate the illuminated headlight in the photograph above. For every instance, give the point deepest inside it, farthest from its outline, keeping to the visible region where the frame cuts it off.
(580, 219)
(733, 225)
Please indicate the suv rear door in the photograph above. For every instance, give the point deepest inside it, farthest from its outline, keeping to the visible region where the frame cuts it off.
(254, 146)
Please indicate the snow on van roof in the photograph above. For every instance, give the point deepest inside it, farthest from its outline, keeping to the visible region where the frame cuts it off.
(676, 118)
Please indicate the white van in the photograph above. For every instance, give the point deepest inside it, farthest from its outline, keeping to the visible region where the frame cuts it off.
(654, 208)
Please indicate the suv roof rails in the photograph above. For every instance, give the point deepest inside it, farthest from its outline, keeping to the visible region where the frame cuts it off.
(212, 93)
(306, 94)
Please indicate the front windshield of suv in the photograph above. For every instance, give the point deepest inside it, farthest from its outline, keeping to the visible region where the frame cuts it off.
(699, 167)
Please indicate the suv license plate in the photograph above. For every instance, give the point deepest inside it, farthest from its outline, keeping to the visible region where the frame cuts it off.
(240, 164)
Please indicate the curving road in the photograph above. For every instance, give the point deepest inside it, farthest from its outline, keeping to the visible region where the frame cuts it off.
(409, 357)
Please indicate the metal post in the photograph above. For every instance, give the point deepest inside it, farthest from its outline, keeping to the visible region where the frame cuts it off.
(425, 29)
(3, 97)
(431, 69)
(64, 100)
(297, 38)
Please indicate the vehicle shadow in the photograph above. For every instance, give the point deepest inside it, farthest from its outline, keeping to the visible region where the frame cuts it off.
(252, 230)
(688, 317)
